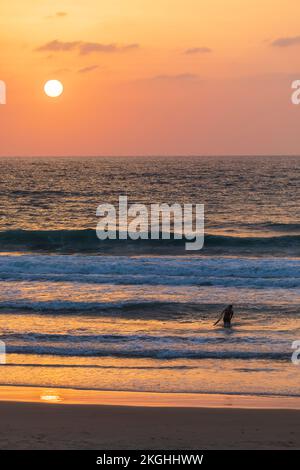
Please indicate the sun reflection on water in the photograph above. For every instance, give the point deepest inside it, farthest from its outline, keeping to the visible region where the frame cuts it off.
(50, 397)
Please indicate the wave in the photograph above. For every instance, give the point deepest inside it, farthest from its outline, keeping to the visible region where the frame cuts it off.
(268, 226)
(97, 366)
(85, 240)
(73, 307)
(254, 273)
(166, 310)
(121, 339)
(279, 227)
(205, 345)
(151, 353)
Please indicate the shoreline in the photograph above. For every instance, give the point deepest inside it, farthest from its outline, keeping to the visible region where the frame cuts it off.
(69, 396)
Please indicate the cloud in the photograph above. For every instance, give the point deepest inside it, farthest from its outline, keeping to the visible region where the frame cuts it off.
(88, 69)
(286, 42)
(197, 50)
(57, 46)
(84, 48)
(180, 76)
(89, 47)
(58, 14)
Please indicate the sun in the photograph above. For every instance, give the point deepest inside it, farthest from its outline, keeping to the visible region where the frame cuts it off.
(53, 88)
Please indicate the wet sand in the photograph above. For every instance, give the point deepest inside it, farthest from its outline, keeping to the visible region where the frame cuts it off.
(36, 419)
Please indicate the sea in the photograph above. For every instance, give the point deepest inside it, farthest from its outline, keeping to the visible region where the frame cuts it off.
(77, 312)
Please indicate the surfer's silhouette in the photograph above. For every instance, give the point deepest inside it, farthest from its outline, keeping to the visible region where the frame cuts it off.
(226, 315)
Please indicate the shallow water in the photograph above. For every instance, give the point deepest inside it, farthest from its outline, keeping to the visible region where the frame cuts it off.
(76, 314)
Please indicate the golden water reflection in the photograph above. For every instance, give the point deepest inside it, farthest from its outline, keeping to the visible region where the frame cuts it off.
(50, 397)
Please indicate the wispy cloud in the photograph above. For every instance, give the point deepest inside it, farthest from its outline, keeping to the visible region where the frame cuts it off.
(88, 69)
(89, 47)
(197, 50)
(57, 46)
(58, 14)
(286, 41)
(85, 48)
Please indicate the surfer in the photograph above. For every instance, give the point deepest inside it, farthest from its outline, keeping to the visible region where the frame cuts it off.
(226, 315)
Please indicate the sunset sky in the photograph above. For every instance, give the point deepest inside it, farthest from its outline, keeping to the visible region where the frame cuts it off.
(144, 77)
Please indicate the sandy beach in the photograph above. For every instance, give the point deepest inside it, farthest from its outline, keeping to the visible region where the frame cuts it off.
(36, 419)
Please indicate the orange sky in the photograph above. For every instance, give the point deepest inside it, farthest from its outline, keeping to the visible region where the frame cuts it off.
(147, 77)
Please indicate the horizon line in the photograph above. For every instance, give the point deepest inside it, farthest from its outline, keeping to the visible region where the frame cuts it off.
(267, 155)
